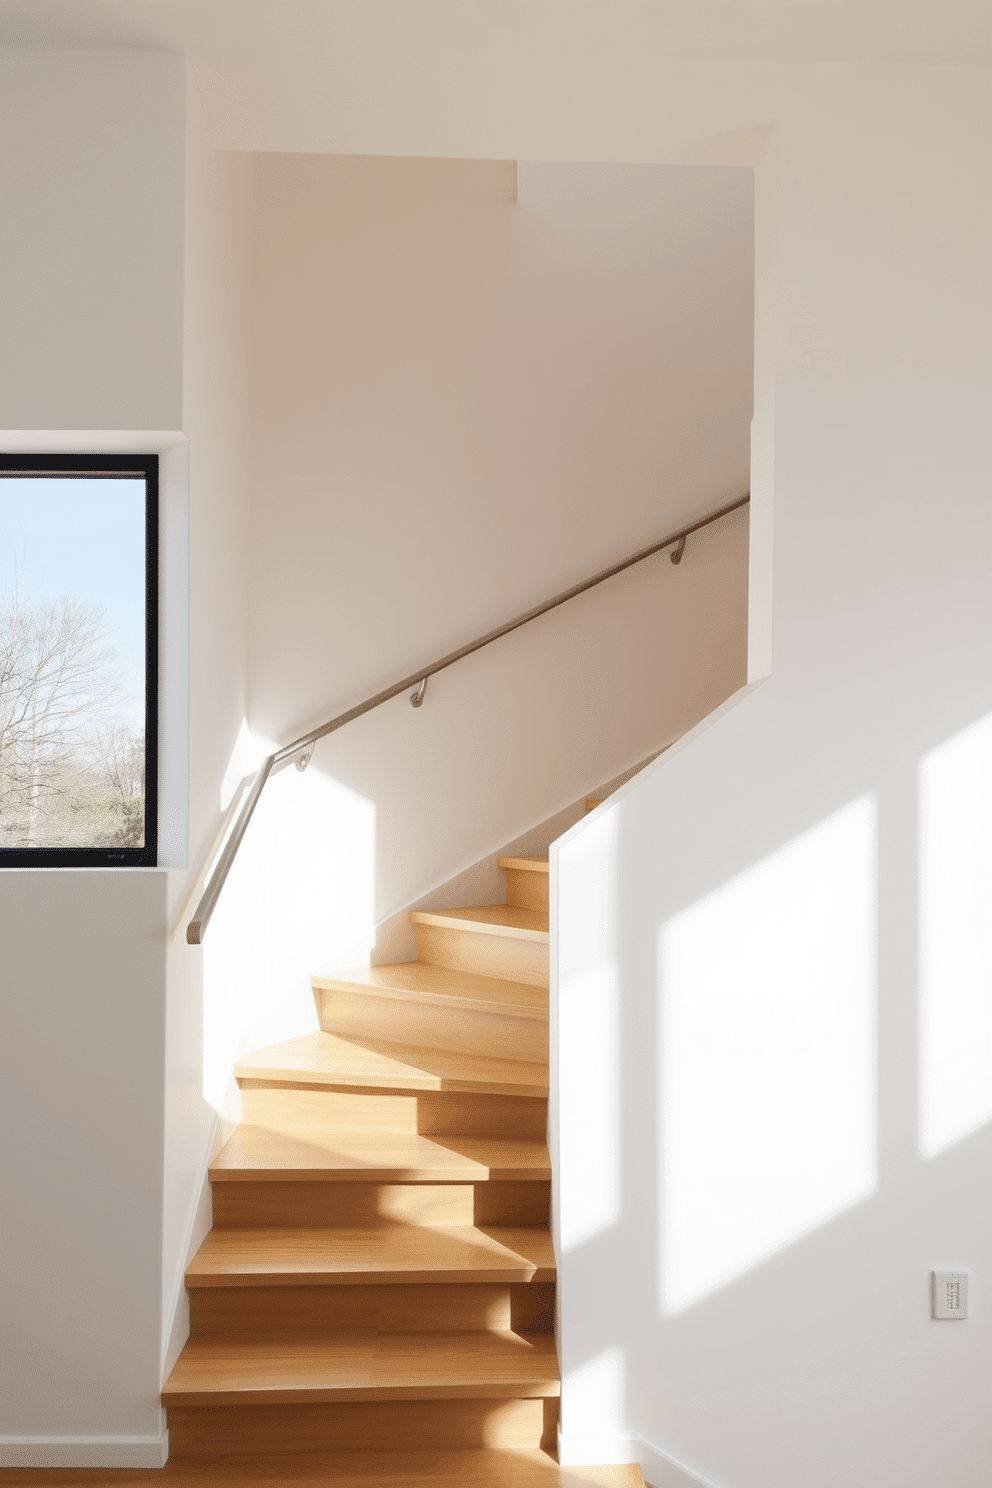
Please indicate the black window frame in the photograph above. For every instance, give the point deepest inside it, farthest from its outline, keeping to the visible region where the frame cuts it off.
(81, 467)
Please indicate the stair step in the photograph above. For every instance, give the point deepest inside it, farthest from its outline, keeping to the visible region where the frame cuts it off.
(255, 1152)
(388, 1253)
(254, 1312)
(526, 881)
(496, 940)
(368, 1427)
(302, 1111)
(397, 1366)
(441, 986)
(525, 862)
(256, 1202)
(504, 920)
(434, 1006)
(325, 1059)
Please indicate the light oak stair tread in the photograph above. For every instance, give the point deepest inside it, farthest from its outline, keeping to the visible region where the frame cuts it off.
(255, 1152)
(415, 981)
(504, 920)
(525, 863)
(479, 1467)
(388, 1253)
(593, 801)
(216, 1370)
(328, 1059)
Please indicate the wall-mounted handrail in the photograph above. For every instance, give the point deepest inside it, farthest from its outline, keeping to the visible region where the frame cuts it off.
(418, 679)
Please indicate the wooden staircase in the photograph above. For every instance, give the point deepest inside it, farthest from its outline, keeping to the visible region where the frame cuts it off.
(375, 1301)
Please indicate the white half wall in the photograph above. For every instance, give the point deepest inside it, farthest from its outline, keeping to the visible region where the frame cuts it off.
(748, 934)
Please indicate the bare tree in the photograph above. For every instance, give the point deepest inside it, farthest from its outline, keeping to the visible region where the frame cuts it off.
(121, 756)
(56, 682)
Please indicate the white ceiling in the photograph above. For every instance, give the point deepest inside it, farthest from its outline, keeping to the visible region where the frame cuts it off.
(304, 74)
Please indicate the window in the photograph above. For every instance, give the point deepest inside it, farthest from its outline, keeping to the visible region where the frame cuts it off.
(78, 660)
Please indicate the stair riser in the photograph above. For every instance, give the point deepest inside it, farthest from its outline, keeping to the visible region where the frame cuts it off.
(401, 1425)
(488, 955)
(353, 1015)
(526, 890)
(352, 1205)
(317, 1311)
(320, 1112)
(296, 1112)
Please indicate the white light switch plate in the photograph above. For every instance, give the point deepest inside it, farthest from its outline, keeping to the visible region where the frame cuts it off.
(950, 1294)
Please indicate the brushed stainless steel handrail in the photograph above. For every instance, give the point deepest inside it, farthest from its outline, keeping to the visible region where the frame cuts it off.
(418, 679)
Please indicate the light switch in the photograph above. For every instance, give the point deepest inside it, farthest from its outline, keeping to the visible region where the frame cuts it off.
(950, 1294)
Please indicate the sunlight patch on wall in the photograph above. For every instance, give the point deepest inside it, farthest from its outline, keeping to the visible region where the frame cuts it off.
(767, 1022)
(955, 1058)
(300, 901)
(589, 1034)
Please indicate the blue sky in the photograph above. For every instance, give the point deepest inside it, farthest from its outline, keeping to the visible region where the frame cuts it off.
(84, 539)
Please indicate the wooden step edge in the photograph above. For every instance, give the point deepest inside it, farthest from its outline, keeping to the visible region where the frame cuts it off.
(464, 922)
(528, 1089)
(530, 863)
(470, 1173)
(201, 1399)
(470, 1002)
(495, 1276)
(593, 801)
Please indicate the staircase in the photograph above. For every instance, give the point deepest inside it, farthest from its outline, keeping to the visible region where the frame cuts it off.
(375, 1301)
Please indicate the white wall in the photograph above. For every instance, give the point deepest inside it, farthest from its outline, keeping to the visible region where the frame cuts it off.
(460, 405)
(780, 932)
(90, 241)
(91, 180)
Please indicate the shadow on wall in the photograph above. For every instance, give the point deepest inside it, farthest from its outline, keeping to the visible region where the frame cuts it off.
(719, 1162)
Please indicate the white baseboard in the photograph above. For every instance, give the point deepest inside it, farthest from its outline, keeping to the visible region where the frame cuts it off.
(595, 1451)
(84, 1451)
(662, 1471)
